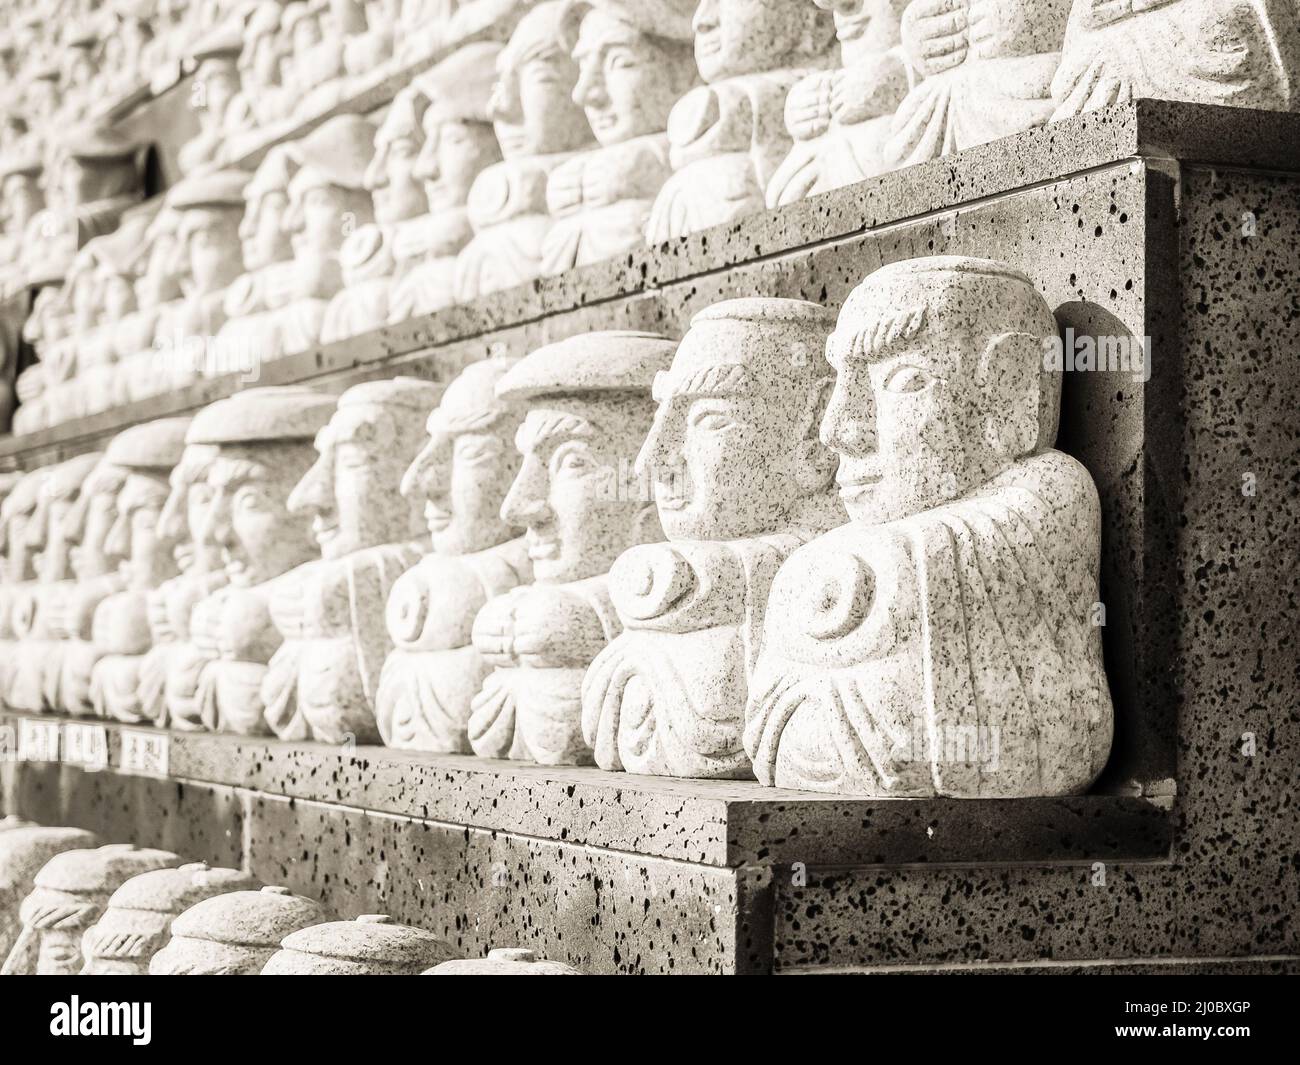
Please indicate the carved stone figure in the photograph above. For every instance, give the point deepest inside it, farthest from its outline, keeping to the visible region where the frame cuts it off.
(538, 126)
(460, 478)
(16, 522)
(635, 60)
(741, 480)
(589, 409)
(941, 643)
(70, 893)
(137, 922)
(261, 103)
(319, 73)
(158, 298)
(36, 607)
(372, 945)
(120, 630)
(369, 258)
(235, 933)
(459, 143)
(504, 961)
(21, 200)
(214, 89)
(321, 682)
(327, 201)
(1245, 54)
(23, 853)
(985, 70)
(840, 119)
(169, 607)
(263, 438)
(727, 137)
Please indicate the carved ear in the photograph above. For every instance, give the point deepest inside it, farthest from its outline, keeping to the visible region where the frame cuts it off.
(815, 463)
(1010, 376)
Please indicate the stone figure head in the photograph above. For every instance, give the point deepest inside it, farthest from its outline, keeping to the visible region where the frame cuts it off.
(395, 189)
(635, 60)
(865, 28)
(147, 453)
(160, 280)
(940, 383)
(735, 37)
(211, 207)
(41, 95)
(58, 495)
(21, 194)
(589, 409)
(459, 140)
(350, 493)
(96, 163)
(531, 105)
(235, 933)
(80, 57)
(182, 514)
(734, 449)
(263, 236)
(504, 961)
(372, 945)
(327, 196)
(23, 853)
(263, 438)
(461, 476)
(216, 80)
(301, 26)
(70, 893)
(116, 257)
(259, 61)
(89, 520)
(137, 922)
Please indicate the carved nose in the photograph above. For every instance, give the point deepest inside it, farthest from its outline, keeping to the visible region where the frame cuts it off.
(312, 492)
(525, 503)
(118, 542)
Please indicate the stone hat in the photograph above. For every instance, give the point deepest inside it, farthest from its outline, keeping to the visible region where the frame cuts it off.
(24, 496)
(262, 415)
(67, 477)
(505, 961)
(139, 915)
(152, 446)
(671, 19)
(606, 361)
(224, 42)
(271, 175)
(223, 188)
(459, 87)
(409, 392)
(23, 853)
(234, 933)
(339, 150)
(470, 400)
(118, 251)
(91, 141)
(372, 945)
(404, 118)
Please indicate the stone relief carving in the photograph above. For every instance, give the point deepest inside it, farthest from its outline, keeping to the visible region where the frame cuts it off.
(137, 921)
(460, 479)
(372, 945)
(68, 896)
(740, 480)
(589, 409)
(942, 642)
(23, 853)
(322, 680)
(234, 933)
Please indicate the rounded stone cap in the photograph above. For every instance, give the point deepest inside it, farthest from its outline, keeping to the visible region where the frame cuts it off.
(25, 494)
(766, 309)
(25, 850)
(460, 86)
(67, 477)
(339, 150)
(409, 392)
(263, 415)
(224, 188)
(225, 41)
(605, 361)
(371, 944)
(176, 890)
(102, 870)
(505, 961)
(249, 918)
(273, 173)
(151, 446)
(97, 142)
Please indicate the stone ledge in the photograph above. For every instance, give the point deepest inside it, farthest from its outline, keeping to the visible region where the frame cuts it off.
(718, 823)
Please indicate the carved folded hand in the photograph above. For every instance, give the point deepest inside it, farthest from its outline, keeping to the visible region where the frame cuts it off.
(540, 627)
(868, 90)
(808, 107)
(935, 34)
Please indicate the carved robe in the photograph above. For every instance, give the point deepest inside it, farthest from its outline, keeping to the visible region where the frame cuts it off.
(952, 652)
(121, 637)
(217, 683)
(170, 608)
(431, 247)
(70, 684)
(434, 672)
(540, 638)
(321, 683)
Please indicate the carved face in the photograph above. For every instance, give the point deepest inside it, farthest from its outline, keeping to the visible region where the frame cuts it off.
(627, 83)
(117, 296)
(246, 516)
(865, 26)
(159, 282)
(94, 519)
(60, 952)
(212, 241)
(320, 215)
(136, 536)
(52, 515)
(18, 563)
(461, 478)
(183, 516)
(910, 424)
(531, 106)
(734, 37)
(396, 191)
(572, 494)
(261, 230)
(348, 493)
(453, 154)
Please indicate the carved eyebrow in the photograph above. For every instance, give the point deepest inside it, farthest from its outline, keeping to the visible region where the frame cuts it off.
(878, 338)
(726, 379)
(541, 427)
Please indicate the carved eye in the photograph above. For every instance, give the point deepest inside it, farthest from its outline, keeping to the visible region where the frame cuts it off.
(712, 421)
(572, 459)
(907, 379)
